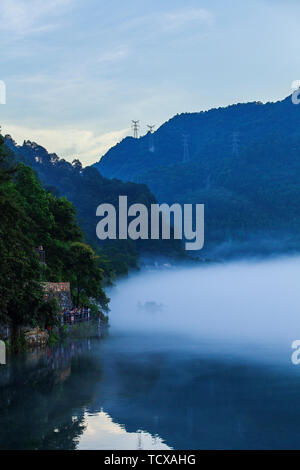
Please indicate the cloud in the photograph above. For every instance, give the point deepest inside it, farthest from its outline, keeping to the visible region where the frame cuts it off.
(23, 17)
(113, 55)
(69, 142)
(181, 18)
(158, 23)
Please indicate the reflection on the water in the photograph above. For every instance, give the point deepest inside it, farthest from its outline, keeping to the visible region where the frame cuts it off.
(213, 370)
(51, 399)
(102, 433)
(131, 392)
(42, 396)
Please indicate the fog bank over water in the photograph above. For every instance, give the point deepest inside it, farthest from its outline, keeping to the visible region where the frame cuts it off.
(205, 364)
(225, 306)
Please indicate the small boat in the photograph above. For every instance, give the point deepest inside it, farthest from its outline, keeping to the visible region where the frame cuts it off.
(150, 307)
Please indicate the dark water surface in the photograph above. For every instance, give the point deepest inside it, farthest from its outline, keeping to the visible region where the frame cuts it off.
(210, 368)
(123, 392)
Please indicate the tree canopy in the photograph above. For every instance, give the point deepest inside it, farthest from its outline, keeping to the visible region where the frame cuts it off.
(31, 216)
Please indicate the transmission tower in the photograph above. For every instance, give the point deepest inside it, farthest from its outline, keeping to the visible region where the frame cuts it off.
(135, 126)
(186, 151)
(151, 142)
(151, 128)
(236, 143)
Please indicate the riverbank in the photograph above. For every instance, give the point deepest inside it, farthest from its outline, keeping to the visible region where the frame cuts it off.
(37, 338)
(139, 391)
(204, 372)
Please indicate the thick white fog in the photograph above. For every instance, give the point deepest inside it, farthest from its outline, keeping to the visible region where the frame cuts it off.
(251, 305)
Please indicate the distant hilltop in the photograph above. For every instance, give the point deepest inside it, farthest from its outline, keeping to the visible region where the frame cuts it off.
(218, 132)
(242, 162)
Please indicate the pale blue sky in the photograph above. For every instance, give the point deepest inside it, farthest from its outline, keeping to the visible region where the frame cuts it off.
(78, 71)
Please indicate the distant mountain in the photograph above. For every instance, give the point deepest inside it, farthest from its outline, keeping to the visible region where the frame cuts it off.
(242, 162)
(86, 188)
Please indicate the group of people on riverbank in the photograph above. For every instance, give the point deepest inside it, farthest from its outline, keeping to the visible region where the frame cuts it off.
(76, 315)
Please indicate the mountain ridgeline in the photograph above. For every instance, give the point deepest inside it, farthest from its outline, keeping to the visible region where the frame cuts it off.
(86, 188)
(31, 218)
(242, 162)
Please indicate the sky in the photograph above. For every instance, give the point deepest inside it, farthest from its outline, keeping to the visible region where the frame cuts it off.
(78, 71)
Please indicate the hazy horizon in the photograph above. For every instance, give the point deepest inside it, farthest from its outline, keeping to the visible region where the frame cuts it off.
(75, 90)
(20, 142)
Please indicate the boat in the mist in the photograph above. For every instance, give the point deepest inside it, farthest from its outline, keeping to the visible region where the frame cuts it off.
(150, 307)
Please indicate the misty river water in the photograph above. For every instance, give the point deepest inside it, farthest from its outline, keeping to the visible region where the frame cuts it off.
(196, 358)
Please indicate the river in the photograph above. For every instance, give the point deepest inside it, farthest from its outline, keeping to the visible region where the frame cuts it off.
(196, 358)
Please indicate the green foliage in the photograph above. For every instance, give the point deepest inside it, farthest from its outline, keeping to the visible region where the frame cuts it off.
(30, 216)
(86, 189)
(85, 275)
(20, 276)
(48, 312)
(250, 191)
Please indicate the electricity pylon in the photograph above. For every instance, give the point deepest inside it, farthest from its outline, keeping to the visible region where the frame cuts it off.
(135, 126)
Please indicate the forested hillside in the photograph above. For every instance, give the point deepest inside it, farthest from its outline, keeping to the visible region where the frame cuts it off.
(242, 162)
(86, 189)
(30, 217)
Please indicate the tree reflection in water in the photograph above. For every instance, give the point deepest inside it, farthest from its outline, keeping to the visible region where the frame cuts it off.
(43, 397)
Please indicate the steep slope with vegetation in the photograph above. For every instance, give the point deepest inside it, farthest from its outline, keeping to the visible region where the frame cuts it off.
(243, 163)
(31, 216)
(86, 189)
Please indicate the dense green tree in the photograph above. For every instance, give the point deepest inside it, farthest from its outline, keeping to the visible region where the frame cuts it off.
(30, 216)
(86, 189)
(20, 276)
(85, 275)
(65, 227)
